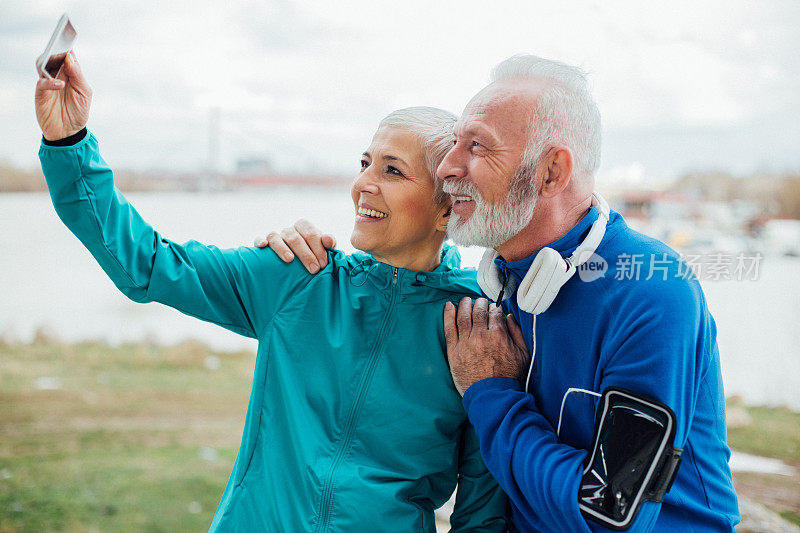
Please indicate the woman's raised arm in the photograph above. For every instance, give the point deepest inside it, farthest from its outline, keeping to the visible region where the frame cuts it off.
(239, 289)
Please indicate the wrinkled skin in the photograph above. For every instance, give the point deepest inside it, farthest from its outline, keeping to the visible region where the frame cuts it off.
(483, 343)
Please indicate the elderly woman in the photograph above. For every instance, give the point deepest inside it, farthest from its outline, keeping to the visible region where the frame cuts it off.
(353, 422)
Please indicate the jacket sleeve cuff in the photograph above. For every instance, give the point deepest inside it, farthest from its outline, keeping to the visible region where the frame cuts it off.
(69, 142)
(477, 397)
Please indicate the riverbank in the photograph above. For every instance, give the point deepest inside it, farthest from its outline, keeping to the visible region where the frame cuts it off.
(767, 432)
(143, 437)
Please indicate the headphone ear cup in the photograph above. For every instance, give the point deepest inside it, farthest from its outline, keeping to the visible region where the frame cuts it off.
(547, 274)
(489, 278)
(488, 275)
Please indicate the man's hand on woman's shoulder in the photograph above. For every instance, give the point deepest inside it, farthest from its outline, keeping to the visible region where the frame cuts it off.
(302, 240)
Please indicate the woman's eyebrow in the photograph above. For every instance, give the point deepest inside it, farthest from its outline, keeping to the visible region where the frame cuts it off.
(387, 158)
(394, 158)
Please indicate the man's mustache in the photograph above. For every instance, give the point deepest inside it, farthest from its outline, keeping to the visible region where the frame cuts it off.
(462, 189)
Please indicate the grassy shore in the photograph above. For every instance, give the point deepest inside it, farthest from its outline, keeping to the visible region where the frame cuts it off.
(142, 438)
(135, 438)
(771, 432)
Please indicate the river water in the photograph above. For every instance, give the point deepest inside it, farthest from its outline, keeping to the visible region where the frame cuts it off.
(48, 280)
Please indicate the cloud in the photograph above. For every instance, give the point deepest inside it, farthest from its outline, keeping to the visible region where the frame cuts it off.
(306, 82)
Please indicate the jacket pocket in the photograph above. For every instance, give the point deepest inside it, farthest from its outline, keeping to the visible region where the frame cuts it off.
(426, 522)
(252, 430)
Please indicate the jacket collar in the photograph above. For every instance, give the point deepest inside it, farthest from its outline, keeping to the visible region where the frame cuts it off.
(446, 277)
(564, 245)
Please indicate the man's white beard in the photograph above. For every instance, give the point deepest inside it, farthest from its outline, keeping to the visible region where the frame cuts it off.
(492, 225)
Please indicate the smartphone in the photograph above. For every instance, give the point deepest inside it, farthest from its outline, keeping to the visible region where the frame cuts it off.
(55, 53)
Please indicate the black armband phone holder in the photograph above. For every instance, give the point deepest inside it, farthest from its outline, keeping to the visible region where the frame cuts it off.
(632, 459)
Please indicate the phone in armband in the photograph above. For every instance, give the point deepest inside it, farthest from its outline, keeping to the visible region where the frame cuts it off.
(633, 459)
(55, 53)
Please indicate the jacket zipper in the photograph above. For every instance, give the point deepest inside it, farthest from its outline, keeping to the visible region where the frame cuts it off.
(327, 491)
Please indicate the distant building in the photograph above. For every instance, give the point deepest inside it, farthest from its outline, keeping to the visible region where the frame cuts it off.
(253, 166)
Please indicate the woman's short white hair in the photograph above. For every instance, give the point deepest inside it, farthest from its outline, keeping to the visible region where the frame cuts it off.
(565, 113)
(434, 128)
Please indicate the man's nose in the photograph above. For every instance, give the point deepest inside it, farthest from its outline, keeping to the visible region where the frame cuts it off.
(452, 166)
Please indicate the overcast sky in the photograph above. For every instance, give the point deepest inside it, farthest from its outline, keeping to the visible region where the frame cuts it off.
(681, 86)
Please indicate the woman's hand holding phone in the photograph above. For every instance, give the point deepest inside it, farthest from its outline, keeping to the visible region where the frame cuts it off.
(62, 104)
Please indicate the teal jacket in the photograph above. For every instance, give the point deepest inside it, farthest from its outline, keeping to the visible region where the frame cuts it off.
(353, 422)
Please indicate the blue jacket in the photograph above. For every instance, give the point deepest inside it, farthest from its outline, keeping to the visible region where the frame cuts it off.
(353, 422)
(647, 331)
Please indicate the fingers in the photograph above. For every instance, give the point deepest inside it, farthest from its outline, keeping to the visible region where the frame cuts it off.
(516, 332)
(313, 239)
(329, 241)
(48, 84)
(261, 242)
(497, 318)
(480, 314)
(464, 316)
(300, 248)
(450, 330)
(47, 103)
(275, 242)
(72, 70)
(303, 241)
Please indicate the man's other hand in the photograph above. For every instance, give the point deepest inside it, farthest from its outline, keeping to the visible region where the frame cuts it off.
(303, 240)
(483, 343)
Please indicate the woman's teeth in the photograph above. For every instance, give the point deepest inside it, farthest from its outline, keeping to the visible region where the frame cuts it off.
(371, 213)
(461, 198)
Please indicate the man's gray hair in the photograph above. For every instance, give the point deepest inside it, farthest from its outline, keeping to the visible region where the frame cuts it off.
(565, 113)
(434, 128)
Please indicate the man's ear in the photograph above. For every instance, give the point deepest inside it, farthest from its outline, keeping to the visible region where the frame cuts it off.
(557, 171)
(444, 217)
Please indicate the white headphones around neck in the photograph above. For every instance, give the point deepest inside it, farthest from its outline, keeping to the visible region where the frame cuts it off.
(548, 271)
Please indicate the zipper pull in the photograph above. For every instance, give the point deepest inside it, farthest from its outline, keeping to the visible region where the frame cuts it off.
(394, 278)
(503, 289)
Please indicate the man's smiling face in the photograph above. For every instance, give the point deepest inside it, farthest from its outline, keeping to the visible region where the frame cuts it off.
(493, 191)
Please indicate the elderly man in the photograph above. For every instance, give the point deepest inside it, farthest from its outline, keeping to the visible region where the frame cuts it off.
(521, 172)
(604, 408)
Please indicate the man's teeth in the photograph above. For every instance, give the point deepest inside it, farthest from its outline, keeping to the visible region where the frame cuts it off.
(461, 198)
(371, 213)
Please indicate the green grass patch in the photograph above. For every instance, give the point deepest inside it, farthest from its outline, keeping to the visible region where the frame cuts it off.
(772, 432)
(791, 516)
(129, 438)
(150, 489)
(143, 438)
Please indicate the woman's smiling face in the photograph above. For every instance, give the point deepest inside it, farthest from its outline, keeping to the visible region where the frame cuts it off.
(397, 220)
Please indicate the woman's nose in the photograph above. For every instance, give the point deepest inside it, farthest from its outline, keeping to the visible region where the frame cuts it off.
(366, 183)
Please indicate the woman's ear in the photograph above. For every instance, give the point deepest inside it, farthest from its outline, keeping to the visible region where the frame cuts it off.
(444, 217)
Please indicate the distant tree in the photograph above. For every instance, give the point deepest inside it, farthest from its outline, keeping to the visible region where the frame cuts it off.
(13, 179)
(790, 197)
(710, 185)
(16, 180)
(773, 194)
